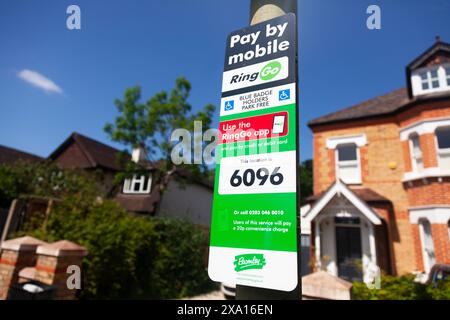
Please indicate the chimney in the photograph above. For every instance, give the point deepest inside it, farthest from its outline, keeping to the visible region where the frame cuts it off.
(139, 154)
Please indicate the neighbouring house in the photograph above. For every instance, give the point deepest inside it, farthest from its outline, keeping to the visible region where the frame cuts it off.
(184, 197)
(382, 178)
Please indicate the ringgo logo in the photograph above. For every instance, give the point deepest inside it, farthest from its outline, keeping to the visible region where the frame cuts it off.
(270, 70)
(255, 74)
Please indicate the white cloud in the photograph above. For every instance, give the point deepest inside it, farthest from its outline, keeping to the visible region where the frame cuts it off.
(38, 80)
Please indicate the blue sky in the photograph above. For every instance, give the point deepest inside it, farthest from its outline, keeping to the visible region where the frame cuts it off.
(150, 43)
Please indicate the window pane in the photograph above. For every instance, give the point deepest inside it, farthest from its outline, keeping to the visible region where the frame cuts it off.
(416, 146)
(448, 81)
(127, 185)
(345, 220)
(435, 84)
(434, 73)
(425, 86)
(428, 238)
(347, 152)
(137, 186)
(423, 76)
(443, 137)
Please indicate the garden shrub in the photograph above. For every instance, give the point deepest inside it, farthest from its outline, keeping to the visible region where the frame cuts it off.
(129, 256)
(401, 288)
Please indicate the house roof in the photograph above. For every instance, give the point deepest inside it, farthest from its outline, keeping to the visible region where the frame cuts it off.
(438, 48)
(98, 154)
(387, 104)
(340, 188)
(9, 156)
(394, 101)
(138, 202)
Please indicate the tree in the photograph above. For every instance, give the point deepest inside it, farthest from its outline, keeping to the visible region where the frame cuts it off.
(306, 180)
(149, 125)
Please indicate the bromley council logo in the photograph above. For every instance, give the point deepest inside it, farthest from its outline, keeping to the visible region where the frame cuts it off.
(249, 261)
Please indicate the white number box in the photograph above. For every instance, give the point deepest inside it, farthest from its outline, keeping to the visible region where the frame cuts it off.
(284, 160)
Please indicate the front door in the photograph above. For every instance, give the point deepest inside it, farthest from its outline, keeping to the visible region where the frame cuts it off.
(349, 253)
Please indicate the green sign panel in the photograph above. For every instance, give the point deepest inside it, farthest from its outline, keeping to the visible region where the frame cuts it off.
(254, 218)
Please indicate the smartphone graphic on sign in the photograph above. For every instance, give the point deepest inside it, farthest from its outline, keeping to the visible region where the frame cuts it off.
(278, 124)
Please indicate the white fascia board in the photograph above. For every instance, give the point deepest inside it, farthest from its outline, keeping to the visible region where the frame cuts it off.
(433, 172)
(341, 188)
(305, 223)
(360, 140)
(434, 214)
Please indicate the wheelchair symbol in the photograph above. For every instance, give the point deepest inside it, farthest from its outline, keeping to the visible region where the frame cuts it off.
(229, 105)
(284, 94)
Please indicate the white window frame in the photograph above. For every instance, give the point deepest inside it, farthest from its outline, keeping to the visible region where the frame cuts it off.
(357, 179)
(414, 157)
(129, 183)
(442, 76)
(429, 79)
(440, 152)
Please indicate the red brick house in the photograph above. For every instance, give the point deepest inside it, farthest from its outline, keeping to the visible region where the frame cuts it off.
(382, 178)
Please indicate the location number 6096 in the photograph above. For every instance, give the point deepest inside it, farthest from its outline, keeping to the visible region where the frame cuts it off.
(249, 177)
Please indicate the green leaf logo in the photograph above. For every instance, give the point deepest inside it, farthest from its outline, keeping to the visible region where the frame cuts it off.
(270, 70)
(249, 261)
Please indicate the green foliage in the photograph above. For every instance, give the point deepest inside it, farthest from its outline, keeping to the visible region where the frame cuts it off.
(306, 180)
(440, 291)
(151, 124)
(402, 288)
(129, 256)
(43, 179)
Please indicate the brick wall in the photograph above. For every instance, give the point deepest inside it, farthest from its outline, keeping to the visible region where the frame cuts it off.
(431, 192)
(441, 242)
(418, 247)
(428, 147)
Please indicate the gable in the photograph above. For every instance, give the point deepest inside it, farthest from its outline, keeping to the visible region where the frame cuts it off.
(79, 151)
(439, 53)
(73, 157)
(339, 192)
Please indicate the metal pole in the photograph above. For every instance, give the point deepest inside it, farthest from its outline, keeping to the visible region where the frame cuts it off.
(262, 10)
